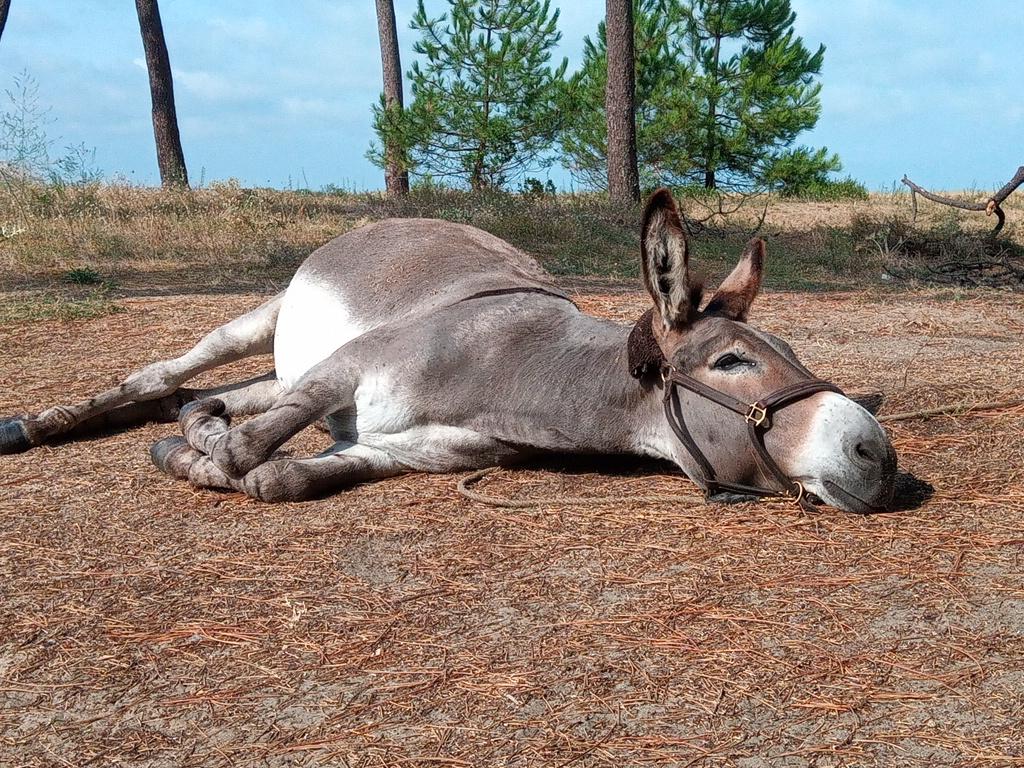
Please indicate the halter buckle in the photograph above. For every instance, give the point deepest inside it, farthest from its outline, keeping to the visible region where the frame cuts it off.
(757, 415)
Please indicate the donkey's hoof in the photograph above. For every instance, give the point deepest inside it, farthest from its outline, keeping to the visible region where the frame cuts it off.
(208, 406)
(199, 411)
(13, 436)
(173, 456)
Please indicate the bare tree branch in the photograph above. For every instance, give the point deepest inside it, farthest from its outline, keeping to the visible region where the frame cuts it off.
(990, 206)
(997, 199)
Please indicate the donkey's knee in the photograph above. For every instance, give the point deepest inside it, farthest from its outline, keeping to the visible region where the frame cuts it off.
(154, 381)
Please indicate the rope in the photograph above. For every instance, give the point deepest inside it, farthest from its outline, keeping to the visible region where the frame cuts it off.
(464, 485)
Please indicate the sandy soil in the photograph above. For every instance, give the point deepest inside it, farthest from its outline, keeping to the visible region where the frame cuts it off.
(144, 622)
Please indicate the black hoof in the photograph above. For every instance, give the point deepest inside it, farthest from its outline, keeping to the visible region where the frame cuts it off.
(13, 436)
(165, 454)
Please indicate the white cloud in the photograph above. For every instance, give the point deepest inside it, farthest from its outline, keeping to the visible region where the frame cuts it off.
(253, 29)
(209, 86)
(299, 107)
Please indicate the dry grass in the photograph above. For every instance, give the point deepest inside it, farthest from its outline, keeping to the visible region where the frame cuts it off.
(225, 238)
(143, 622)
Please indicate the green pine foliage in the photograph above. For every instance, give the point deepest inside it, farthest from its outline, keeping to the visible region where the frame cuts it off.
(486, 102)
(724, 88)
(658, 77)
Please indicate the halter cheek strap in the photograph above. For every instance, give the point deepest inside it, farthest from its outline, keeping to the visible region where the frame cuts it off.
(758, 417)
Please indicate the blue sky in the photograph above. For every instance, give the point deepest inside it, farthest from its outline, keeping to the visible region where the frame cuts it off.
(279, 93)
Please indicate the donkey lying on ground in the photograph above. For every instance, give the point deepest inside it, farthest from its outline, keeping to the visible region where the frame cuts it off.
(437, 347)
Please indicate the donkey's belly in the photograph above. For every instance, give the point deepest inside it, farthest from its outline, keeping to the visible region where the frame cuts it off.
(313, 322)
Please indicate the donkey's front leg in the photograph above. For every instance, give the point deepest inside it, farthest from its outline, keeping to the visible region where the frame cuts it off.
(250, 334)
(327, 388)
(287, 479)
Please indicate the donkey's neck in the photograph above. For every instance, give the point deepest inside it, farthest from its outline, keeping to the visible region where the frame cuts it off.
(596, 404)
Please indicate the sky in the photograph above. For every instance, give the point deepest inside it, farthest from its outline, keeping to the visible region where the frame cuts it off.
(279, 93)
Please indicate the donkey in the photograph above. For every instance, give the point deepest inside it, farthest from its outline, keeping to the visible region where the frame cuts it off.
(435, 347)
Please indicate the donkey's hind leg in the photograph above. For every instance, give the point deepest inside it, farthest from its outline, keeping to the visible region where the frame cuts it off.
(208, 417)
(210, 411)
(250, 334)
(240, 399)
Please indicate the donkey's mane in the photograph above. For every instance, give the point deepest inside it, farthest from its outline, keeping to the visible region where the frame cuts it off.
(644, 355)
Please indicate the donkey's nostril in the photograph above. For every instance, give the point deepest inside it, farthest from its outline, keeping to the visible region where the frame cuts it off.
(865, 452)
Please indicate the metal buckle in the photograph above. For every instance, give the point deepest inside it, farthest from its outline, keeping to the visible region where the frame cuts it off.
(666, 370)
(757, 415)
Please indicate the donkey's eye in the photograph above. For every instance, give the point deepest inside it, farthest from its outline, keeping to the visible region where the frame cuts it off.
(728, 361)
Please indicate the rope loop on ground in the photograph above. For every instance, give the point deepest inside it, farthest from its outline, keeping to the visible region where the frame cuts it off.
(465, 490)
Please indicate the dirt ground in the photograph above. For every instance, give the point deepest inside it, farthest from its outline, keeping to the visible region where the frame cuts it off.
(144, 622)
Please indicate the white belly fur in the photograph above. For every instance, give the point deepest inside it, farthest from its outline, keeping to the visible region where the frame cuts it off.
(313, 322)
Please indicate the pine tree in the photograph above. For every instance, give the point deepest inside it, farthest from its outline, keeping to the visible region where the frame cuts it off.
(485, 104)
(724, 88)
(750, 104)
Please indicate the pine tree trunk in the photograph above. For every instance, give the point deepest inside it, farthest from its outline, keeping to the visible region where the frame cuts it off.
(710, 164)
(165, 121)
(396, 178)
(5, 6)
(620, 113)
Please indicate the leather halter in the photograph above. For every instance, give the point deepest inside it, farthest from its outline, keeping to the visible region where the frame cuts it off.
(758, 416)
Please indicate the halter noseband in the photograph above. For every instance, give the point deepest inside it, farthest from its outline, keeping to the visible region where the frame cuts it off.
(758, 416)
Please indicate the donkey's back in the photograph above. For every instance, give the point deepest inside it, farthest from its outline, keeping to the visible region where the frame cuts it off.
(388, 272)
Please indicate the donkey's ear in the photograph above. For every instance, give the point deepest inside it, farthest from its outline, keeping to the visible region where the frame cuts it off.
(738, 291)
(666, 262)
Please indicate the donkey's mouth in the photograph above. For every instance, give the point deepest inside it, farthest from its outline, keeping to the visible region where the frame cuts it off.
(851, 502)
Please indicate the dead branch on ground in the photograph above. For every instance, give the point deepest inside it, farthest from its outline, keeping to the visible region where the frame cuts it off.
(990, 206)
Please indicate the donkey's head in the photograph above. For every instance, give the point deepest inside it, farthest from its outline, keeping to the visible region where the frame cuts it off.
(799, 435)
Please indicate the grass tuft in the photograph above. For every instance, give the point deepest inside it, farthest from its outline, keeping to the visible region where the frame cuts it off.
(33, 306)
(83, 276)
